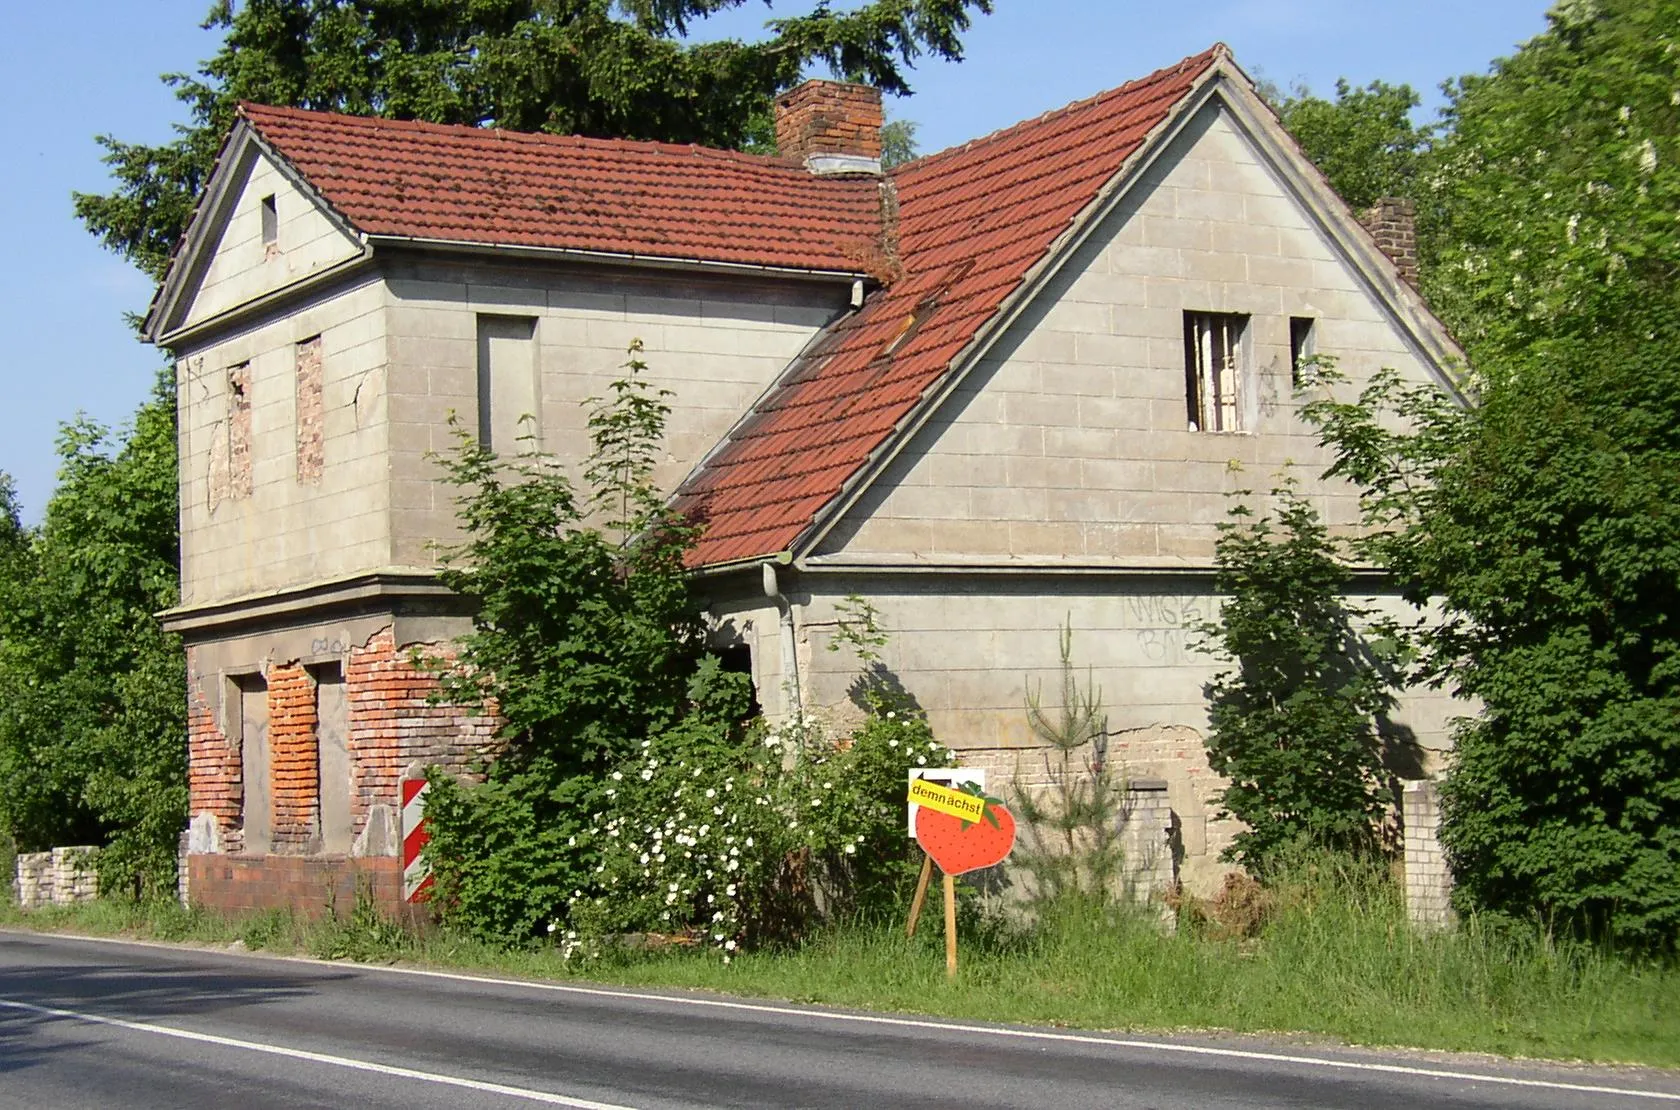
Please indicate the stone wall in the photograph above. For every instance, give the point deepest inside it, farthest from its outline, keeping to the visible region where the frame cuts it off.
(59, 877)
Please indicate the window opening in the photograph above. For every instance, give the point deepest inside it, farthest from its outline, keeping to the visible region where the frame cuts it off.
(270, 221)
(1213, 370)
(1301, 345)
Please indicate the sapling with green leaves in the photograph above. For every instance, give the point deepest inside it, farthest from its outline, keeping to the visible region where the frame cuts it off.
(1071, 820)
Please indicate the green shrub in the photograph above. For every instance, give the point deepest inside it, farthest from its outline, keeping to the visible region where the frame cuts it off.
(1545, 522)
(1294, 723)
(733, 844)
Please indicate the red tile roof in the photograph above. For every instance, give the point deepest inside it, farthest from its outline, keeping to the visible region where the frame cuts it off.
(509, 188)
(972, 222)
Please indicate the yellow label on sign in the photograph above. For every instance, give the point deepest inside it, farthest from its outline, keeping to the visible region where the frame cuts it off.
(944, 799)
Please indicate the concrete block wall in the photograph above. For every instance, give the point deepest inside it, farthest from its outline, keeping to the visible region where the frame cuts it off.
(301, 397)
(969, 648)
(243, 267)
(716, 343)
(1070, 441)
(1428, 878)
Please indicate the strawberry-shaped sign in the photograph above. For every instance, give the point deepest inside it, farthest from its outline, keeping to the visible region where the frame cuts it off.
(962, 828)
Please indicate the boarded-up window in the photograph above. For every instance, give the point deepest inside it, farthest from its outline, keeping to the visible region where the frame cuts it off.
(332, 733)
(251, 697)
(239, 431)
(1213, 370)
(311, 443)
(507, 384)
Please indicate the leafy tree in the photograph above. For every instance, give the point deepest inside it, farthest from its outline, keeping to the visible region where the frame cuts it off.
(588, 67)
(898, 143)
(1295, 722)
(585, 639)
(1364, 140)
(1557, 185)
(92, 720)
(1545, 523)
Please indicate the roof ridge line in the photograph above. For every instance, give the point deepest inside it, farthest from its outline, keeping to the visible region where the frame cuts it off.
(1213, 53)
(246, 108)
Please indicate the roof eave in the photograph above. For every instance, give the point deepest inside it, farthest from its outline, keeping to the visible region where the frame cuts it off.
(617, 258)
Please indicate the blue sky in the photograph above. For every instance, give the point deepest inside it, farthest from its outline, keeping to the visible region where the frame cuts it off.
(78, 68)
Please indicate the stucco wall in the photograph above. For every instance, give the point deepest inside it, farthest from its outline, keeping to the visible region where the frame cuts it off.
(716, 343)
(1070, 441)
(283, 525)
(243, 267)
(970, 647)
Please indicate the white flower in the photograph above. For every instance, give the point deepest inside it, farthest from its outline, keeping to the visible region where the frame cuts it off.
(666, 916)
(730, 890)
(710, 793)
(749, 842)
(718, 916)
(669, 898)
(1647, 157)
(921, 761)
(552, 926)
(704, 829)
(726, 961)
(617, 775)
(646, 775)
(892, 743)
(571, 842)
(851, 849)
(646, 744)
(828, 786)
(891, 716)
(732, 865)
(729, 946)
(644, 857)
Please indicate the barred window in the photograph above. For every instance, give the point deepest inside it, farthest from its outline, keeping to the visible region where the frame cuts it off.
(1213, 370)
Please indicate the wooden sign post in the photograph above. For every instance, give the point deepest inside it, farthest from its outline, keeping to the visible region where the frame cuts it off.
(962, 829)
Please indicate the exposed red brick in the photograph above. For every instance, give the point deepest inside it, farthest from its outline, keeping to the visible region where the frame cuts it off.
(393, 722)
(829, 117)
(311, 413)
(215, 778)
(308, 885)
(1392, 222)
(294, 759)
(239, 431)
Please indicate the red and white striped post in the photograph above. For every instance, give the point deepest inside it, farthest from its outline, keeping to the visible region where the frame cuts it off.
(417, 876)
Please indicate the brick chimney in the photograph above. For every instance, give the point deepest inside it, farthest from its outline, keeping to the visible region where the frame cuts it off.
(1392, 222)
(831, 126)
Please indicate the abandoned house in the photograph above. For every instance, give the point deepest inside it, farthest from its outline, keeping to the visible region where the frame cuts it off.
(992, 390)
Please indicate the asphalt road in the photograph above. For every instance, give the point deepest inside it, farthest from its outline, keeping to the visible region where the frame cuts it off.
(100, 1024)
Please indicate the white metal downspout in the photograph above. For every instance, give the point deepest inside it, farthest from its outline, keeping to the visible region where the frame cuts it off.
(790, 647)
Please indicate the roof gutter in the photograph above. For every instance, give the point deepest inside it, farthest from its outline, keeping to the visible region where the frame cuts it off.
(611, 258)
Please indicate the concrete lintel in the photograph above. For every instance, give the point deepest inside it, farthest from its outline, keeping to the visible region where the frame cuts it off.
(358, 591)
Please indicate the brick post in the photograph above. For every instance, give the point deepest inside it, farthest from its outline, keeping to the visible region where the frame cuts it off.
(1428, 881)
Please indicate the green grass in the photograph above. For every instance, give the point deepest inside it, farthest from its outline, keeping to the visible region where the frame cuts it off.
(1336, 959)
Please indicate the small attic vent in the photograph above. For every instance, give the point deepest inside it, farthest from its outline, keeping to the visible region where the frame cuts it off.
(270, 222)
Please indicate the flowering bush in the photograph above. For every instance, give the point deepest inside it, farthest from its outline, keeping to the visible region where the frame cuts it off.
(726, 844)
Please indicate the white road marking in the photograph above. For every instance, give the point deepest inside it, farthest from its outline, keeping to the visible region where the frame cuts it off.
(914, 1023)
(319, 1058)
